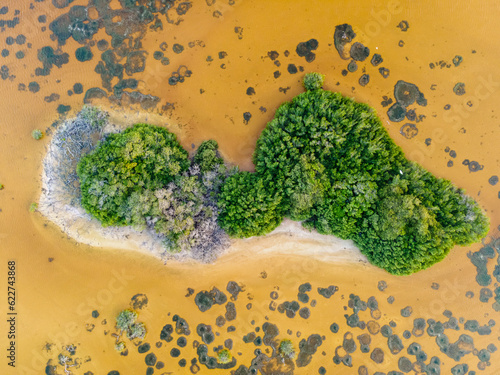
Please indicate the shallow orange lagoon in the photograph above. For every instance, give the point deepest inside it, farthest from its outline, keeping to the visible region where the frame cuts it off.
(231, 59)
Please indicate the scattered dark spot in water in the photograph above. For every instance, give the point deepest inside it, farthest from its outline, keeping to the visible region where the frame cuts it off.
(234, 289)
(403, 25)
(51, 98)
(150, 359)
(377, 355)
(384, 72)
(20, 39)
(352, 66)
(307, 349)
(205, 300)
(102, 45)
(158, 55)
(166, 333)
(406, 93)
(328, 292)
(406, 312)
(457, 60)
(493, 180)
(459, 88)
(396, 112)
(273, 55)
(34, 87)
(292, 69)
(376, 59)
(409, 131)
(302, 297)
(304, 313)
(485, 295)
(94, 93)
(304, 49)
(230, 311)
(359, 52)
(364, 79)
(246, 117)
(474, 166)
(382, 285)
(419, 325)
(343, 35)
(175, 352)
(387, 101)
(78, 88)
(49, 58)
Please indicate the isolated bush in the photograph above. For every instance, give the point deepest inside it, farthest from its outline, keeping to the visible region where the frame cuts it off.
(224, 356)
(37, 134)
(141, 158)
(313, 81)
(286, 348)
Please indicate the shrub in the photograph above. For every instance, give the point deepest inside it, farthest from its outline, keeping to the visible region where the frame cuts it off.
(37, 134)
(286, 349)
(33, 207)
(125, 319)
(247, 208)
(120, 346)
(313, 81)
(141, 158)
(224, 356)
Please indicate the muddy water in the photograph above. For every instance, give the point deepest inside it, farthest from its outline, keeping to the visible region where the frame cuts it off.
(59, 282)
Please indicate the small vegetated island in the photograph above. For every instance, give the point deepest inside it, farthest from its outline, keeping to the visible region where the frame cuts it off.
(324, 160)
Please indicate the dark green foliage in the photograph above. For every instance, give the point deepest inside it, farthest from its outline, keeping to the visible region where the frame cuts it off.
(207, 156)
(247, 208)
(125, 168)
(328, 161)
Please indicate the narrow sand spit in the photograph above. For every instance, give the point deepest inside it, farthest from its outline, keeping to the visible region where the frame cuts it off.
(59, 203)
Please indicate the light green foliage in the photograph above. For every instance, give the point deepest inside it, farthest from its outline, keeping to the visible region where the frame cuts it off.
(286, 348)
(247, 208)
(141, 158)
(136, 331)
(94, 116)
(224, 356)
(313, 81)
(327, 160)
(33, 207)
(37, 134)
(1, 186)
(207, 156)
(120, 346)
(126, 321)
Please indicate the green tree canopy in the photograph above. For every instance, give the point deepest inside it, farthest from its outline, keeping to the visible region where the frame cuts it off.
(141, 158)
